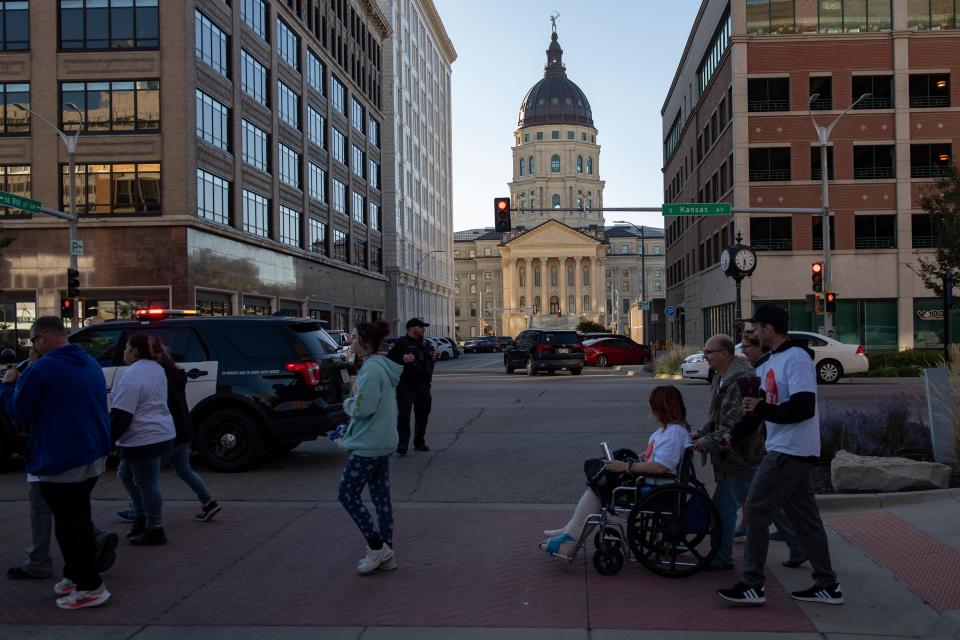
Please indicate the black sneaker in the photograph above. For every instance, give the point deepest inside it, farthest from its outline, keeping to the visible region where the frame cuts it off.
(831, 594)
(208, 511)
(150, 538)
(742, 593)
(421, 447)
(401, 451)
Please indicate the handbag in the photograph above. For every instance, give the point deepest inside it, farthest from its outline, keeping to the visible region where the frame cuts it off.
(603, 482)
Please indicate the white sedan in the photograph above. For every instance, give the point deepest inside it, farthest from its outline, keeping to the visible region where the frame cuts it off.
(832, 359)
(444, 350)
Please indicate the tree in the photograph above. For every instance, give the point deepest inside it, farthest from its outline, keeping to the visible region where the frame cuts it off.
(586, 326)
(943, 204)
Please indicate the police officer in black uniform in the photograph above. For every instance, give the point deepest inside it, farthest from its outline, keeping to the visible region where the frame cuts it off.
(417, 356)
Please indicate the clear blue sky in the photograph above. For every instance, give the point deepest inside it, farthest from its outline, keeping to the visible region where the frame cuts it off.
(623, 55)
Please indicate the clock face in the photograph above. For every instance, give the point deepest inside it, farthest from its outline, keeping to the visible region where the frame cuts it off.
(725, 260)
(745, 260)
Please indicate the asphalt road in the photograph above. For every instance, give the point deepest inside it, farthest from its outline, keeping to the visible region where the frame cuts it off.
(494, 438)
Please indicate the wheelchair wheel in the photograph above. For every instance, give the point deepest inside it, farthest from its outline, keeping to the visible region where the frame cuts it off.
(666, 528)
(608, 559)
(609, 536)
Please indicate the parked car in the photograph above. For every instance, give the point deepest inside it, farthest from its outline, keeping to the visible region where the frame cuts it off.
(342, 338)
(545, 350)
(444, 350)
(832, 359)
(613, 350)
(504, 342)
(601, 334)
(253, 383)
(457, 349)
(484, 344)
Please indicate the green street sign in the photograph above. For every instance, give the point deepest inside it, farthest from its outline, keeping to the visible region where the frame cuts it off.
(16, 202)
(643, 305)
(696, 209)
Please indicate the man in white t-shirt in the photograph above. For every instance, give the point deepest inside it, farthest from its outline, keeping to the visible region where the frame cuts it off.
(789, 408)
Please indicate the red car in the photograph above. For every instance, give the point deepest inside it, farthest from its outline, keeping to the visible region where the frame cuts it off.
(606, 351)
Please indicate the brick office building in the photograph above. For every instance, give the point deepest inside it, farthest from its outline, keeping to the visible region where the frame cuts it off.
(736, 129)
(229, 158)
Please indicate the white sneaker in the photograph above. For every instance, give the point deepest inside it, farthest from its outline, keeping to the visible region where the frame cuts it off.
(83, 599)
(374, 558)
(390, 564)
(64, 587)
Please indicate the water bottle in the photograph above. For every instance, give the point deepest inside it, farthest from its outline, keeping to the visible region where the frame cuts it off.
(337, 432)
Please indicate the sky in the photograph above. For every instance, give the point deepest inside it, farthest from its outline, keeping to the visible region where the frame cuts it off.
(622, 54)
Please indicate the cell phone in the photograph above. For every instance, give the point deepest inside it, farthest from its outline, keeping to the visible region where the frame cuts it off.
(749, 387)
(606, 452)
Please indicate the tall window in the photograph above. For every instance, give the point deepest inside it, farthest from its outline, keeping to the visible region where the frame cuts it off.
(586, 303)
(357, 207)
(254, 14)
(339, 146)
(211, 45)
(256, 143)
(289, 226)
(585, 281)
(854, 16)
(289, 107)
(555, 201)
(213, 197)
(532, 164)
(289, 161)
(590, 166)
(570, 276)
(14, 26)
(376, 259)
(711, 59)
(375, 221)
(213, 122)
(339, 203)
(288, 45)
(340, 240)
(253, 78)
(822, 87)
(92, 24)
(111, 107)
(374, 177)
(553, 276)
(114, 188)
(256, 214)
(358, 115)
(317, 182)
(522, 166)
(317, 236)
(15, 179)
(929, 15)
(579, 164)
(13, 119)
(555, 164)
(360, 253)
(315, 73)
(338, 97)
(358, 162)
(374, 132)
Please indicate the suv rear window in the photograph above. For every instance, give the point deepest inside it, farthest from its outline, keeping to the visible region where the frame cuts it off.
(560, 337)
(315, 338)
(261, 341)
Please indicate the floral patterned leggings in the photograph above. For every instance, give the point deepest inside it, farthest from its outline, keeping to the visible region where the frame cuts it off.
(358, 472)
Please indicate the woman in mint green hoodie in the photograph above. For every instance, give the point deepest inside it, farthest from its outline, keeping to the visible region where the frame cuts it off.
(371, 437)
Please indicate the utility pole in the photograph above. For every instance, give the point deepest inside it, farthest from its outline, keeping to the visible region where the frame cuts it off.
(823, 134)
(70, 142)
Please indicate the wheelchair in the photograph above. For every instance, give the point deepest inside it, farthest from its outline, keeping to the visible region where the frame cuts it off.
(666, 523)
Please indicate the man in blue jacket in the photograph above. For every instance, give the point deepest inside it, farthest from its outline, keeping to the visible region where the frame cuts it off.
(63, 397)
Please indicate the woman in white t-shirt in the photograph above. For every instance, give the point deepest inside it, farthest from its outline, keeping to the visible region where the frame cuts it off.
(141, 425)
(663, 454)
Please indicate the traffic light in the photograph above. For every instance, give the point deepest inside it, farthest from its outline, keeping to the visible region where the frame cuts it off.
(73, 283)
(816, 276)
(830, 302)
(66, 308)
(818, 304)
(501, 213)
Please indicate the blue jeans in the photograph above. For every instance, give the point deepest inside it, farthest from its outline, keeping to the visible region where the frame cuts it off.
(730, 494)
(140, 475)
(179, 459)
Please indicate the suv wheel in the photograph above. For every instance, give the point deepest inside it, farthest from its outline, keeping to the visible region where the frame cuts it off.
(228, 440)
(531, 368)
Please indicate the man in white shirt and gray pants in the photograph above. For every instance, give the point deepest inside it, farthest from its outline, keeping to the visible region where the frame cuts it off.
(788, 406)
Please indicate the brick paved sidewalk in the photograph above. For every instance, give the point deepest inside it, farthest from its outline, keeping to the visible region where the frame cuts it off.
(460, 566)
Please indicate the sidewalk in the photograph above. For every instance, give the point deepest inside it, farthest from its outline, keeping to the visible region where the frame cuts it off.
(286, 570)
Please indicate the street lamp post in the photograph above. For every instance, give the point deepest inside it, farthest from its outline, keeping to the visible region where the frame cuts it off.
(419, 283)
(70, 142)
(823, 134)
(643, 270)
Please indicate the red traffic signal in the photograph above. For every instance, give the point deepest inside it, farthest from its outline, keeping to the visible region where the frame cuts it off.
(816, 276)
(501, 214)
(66, 308)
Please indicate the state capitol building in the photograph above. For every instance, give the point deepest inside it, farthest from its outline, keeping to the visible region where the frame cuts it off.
(560, 263)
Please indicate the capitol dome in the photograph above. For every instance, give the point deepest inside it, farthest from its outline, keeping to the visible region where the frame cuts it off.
(556, 99)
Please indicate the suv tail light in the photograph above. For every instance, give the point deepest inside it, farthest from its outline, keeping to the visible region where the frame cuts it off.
(860, 350)
(544, 347)
(309, 371)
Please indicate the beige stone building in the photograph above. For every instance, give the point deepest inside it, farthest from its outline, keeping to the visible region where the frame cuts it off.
(559, 264)
(230, 157)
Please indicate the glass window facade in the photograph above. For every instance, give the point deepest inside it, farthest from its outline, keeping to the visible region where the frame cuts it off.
(15, 179)
(211, 45)
(374, 177)
(289, 170)
(317, 236)
(339, 196)
(114, 188)
(358, 162)
(374, 132)
(718, 45)
(338, 95)
(256, 146)
(111, 107)
(316, 128)
(120, 24)
(928, 325)
(254, 15)
(929, 15)
(375, 219)
(288, 45)
(289, 105)
(13, 119)
(358, 115)
(289, 226)
(340, 240)
(317, 183)
(339, 146)
(254, 78)
(213, 198)
(213, 122)
(256, 214)
(14, 26)
(316, 72)
(853, 16)
(358, 207)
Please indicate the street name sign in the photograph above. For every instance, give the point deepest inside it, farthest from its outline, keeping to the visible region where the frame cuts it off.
(643, 305)
(17, 202)
(696, 209)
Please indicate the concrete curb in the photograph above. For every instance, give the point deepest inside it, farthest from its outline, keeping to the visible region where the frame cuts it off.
(668, 376)
(947, 626)
(877, 501)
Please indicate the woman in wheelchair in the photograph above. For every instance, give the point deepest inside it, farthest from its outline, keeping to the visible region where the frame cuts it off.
(662, 456)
